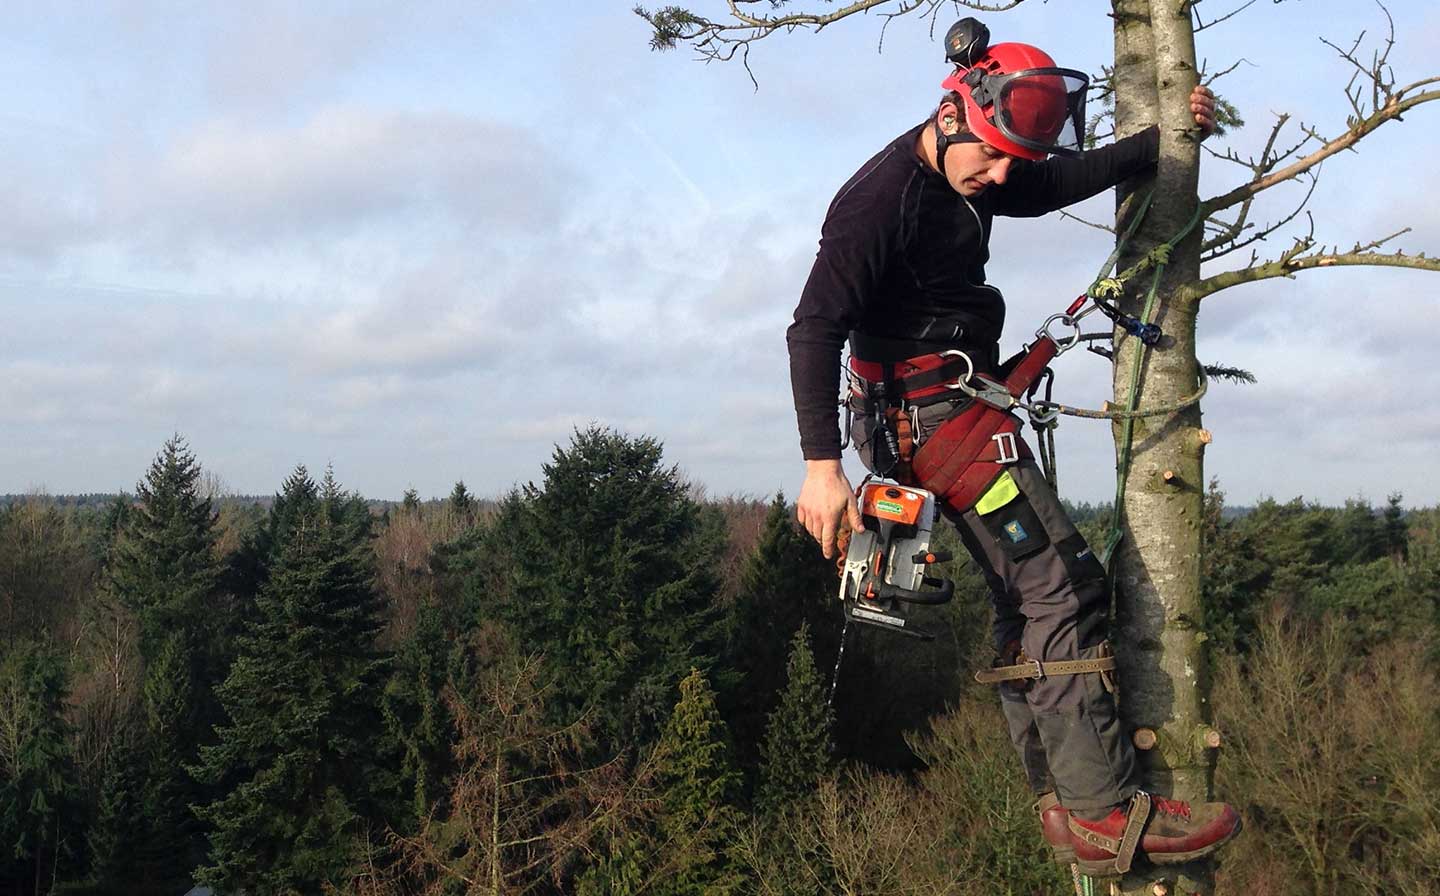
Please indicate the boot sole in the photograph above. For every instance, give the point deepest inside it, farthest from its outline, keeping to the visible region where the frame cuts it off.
(1107, 868)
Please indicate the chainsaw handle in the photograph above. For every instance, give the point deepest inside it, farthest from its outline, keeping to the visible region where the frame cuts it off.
(894, 592)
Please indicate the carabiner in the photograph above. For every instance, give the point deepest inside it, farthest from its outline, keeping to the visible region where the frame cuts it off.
(1066, 320)
(1043, 412)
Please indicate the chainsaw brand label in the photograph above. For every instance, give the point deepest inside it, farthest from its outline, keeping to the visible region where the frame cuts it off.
(890, 506)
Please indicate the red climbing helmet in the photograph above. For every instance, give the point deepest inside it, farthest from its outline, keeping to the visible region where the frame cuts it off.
(1015, 98)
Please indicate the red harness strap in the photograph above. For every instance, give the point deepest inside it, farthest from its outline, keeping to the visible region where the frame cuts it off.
(921, 377)
(968, 452)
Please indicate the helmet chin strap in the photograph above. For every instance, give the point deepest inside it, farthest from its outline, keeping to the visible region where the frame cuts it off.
(943, 141)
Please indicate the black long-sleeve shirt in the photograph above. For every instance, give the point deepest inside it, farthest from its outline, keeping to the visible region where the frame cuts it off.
(899, 247)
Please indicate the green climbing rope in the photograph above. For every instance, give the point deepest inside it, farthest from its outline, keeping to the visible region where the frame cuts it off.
(1160, 256)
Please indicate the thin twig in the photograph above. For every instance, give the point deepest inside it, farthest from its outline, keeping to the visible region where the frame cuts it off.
(1199, 26)
(1074, 217)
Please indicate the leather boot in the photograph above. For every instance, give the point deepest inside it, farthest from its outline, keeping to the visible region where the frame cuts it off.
(1054, 820)
(1168, 832)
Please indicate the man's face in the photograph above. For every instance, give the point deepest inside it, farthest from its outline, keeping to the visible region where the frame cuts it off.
(972, 167)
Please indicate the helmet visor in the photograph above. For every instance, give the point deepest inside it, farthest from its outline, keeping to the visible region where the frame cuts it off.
(1043, 109)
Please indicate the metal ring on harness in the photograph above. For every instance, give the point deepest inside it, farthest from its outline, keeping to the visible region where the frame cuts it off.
(1067, 320)
(1043, 413)
(961, 381)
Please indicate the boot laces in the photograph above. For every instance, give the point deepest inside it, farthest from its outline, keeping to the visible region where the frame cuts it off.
(1178, 808)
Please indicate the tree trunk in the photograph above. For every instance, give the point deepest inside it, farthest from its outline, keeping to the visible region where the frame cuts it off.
(1158, 638)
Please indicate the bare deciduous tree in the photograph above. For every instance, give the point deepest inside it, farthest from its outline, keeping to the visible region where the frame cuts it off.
(521, 804)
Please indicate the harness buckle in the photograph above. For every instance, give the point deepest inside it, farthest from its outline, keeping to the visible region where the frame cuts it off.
(1009, 451)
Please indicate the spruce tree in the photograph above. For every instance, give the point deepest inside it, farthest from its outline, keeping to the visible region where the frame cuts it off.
(609, 569)
(418, 725)
(296, 764)
(786, 582)
(698, 783)
(462, 503)
(163, 570)
(164, 567)
(114, 849)
(796, 753)
(1396, 529)
(36, 773)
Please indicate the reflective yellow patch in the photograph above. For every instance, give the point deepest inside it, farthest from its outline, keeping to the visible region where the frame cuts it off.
(998, 495)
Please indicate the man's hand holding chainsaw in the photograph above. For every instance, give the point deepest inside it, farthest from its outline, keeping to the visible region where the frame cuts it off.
(826, 499)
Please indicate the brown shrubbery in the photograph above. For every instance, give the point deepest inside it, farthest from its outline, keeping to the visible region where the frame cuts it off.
(1335, 760)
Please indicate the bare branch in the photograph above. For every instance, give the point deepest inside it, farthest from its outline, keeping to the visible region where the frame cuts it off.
(1385, 103)
(1207, 79)
(725, 39)
(1201, 26)
(1216, 248)
(1073, 217)
(1394, 106)
(1294, 261)
(1266, 162)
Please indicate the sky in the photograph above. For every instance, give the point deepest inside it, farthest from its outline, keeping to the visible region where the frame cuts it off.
(424, 242)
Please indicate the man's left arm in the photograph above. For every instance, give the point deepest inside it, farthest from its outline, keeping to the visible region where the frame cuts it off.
(1037, 188)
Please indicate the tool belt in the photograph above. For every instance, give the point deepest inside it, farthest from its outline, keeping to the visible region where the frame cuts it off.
(965, 455)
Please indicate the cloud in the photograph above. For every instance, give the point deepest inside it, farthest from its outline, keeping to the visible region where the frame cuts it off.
(342, 170)
(267, 53)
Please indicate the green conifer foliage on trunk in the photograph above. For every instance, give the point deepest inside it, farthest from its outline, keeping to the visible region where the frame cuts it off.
(296, 763)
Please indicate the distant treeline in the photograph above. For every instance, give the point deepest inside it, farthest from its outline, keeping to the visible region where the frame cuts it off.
(605, 682)
(1082, 512)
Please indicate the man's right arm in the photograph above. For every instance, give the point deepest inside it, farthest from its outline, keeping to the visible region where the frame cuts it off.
(856, 242)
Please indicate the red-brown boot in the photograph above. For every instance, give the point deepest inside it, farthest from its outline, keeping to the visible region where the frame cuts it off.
(1054, 824)
(1168, 832)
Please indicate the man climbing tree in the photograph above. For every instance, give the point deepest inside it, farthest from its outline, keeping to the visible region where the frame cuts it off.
(901, 272)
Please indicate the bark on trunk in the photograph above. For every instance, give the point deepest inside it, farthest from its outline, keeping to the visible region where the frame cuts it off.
(1158, 637)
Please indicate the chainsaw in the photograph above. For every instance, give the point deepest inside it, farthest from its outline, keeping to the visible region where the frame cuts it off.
(885, 565)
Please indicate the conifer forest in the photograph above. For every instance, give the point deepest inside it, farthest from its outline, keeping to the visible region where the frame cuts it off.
(609, 682)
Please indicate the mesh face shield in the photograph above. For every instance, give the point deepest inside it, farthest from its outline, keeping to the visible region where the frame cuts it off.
(1030, 113)
(1041, 108)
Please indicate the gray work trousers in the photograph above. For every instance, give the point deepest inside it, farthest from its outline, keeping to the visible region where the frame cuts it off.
(1048, 591)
